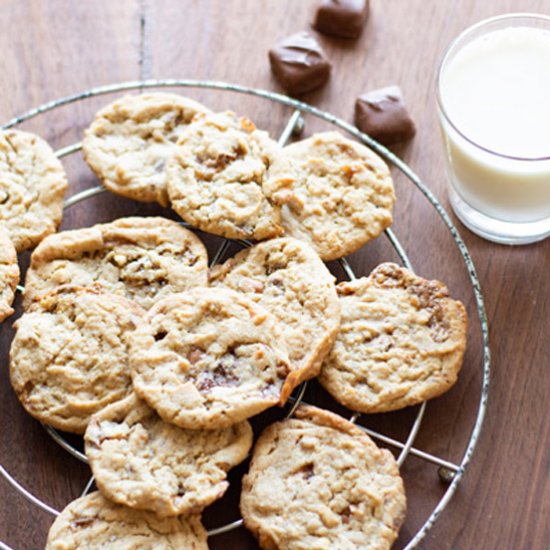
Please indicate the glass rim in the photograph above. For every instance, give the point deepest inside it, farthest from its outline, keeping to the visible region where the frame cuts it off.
(466, 32)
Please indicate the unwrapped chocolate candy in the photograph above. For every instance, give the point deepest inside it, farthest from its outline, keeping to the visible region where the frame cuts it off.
(343, 18)
(299, 63)
(383, 116)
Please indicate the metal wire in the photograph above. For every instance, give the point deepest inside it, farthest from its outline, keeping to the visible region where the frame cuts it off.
(60, 440)
(295, 123)
(394, 443)
(88, 487)
(28, 495)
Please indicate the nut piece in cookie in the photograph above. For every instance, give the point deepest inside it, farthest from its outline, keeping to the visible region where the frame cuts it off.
(143, 259)
(383, 116)
(216, 178)
(318, 481)
(208, 358)
(401, 341)
(299, 63)
(141, 461)
(287, 277)
(93, 522)
(335, 193)
(32, 187)
(9, 275)
(130, 140)
(69, 356)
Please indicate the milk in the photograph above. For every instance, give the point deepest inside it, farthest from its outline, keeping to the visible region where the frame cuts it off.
(494, 96)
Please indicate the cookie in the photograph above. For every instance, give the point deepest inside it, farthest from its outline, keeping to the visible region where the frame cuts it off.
(93, 523)
(32, 187)
(141, 461)
(69, 356)
(130, 140)
(216, 178)
(317, 481)
(143, 259)
(287, 277)
(402, 341)
(9, 275)
(208, 358)
(336, 194)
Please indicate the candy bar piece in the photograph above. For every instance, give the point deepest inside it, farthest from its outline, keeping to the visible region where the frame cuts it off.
(383, 116)
(343, 18)
(299, 63)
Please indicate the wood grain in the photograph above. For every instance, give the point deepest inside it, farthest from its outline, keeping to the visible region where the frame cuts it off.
(51, 49)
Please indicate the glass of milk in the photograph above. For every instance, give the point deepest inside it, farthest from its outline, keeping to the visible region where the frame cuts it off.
(493, 93)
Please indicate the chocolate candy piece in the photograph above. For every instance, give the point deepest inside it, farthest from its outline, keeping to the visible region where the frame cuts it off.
(382, 115)
(299, 63)
(344, 18)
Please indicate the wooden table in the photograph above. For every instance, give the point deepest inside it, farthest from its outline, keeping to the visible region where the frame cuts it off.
(51, 49)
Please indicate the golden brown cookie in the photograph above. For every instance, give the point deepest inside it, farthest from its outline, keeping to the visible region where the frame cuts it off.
(9, 275)
(317, 481)
(335, 193)
(130, 140)
(32, 187)
(217, 174)
(141, 461)
(287, 277)
(69, 356)
(143, 259)
(401, 341)
(95, 523)
(208, 358)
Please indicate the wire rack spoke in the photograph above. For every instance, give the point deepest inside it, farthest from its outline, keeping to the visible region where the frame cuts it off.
(83, 195)
(63, 443)
(88, 486)
(448, 471)
(413, 451)
(69, 150)
(225, 528)
(27, 494)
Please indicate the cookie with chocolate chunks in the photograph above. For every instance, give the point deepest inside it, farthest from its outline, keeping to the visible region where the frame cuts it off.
(32, 188)
(93, 522)
(208, 358)
(318, 481)
(216, 176)
(142, 259)
(130, 140)
(335, 193)
(145, 463)
(69, 356)
(401, 342)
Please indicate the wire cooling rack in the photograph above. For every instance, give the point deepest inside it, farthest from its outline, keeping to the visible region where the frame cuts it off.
(449, 472)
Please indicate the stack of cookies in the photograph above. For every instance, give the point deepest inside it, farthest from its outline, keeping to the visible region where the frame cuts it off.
(129, 339)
